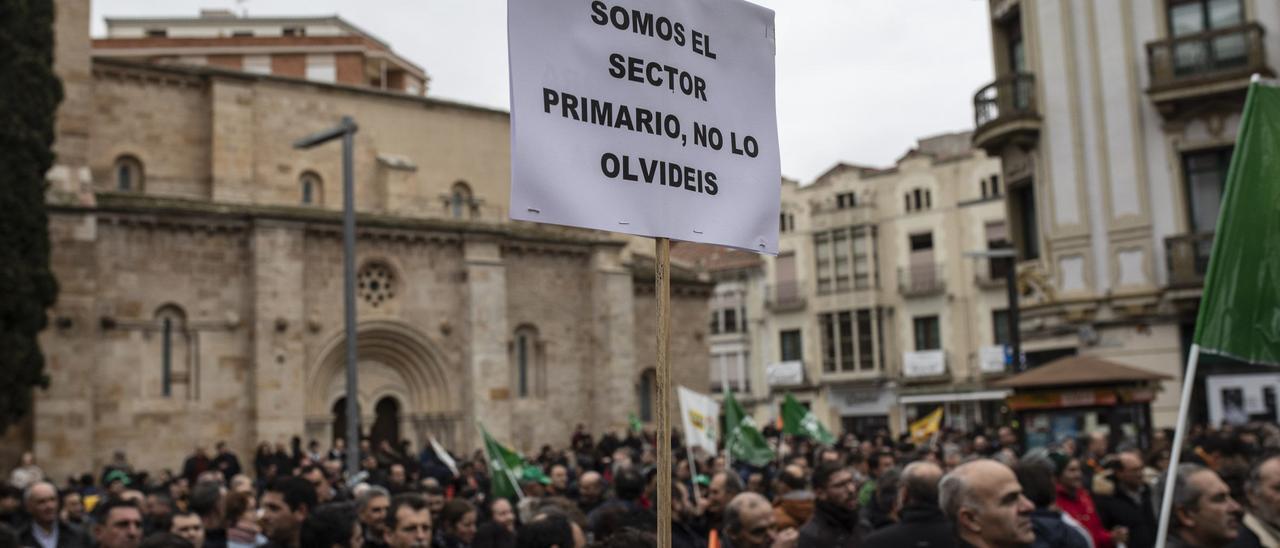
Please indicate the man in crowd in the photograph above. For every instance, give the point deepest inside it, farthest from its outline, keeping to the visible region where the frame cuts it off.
(1131, 505)
(371, 509)
(408, 522)
(1204, 514)
(835, 517)
(559, 481)
(590, 491)
(724, 486)
(628, 487)
(879, 463)
(1262, 491)
(397, 480)
(119, 524)
(984, 501)
(156, 511)
(226, 461)
(189, 525)
(196, 464)
(206, 501)
(73, 508)
(45, 529)
(1036, 476)
(285, 505)
(792, 500)
(684, 514)
(748, 523)
(316, 478)
(921, 523)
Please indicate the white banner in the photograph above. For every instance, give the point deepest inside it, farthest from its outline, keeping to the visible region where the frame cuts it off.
(700, 418)
(444, 456)
(789, 373)
(925, 363)
(991, 359)
(648, 117)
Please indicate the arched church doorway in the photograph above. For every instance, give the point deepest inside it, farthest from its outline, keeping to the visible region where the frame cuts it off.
(386, 425)
(339, 417)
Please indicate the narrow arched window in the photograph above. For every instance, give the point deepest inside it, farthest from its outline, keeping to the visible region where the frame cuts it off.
(171, 322)
(128, 174)
(312, 189)
(460, 200)
(648, 382)
(526, 358)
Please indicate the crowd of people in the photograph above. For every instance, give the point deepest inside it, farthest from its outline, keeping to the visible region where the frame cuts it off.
(980, 489)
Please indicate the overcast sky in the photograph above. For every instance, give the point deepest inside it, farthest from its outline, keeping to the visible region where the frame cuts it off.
(858, 80)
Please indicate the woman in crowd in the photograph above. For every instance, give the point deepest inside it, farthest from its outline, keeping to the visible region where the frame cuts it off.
(1077, 503)
(457, 525)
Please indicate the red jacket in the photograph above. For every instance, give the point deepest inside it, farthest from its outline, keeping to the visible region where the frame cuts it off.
(1080, 506)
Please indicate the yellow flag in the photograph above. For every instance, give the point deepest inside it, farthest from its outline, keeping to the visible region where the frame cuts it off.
(926, 426)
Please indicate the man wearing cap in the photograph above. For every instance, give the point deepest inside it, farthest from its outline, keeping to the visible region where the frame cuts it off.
(117, 482)
(533, 483)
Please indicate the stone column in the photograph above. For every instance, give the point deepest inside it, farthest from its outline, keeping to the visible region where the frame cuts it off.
(612, 377)
(488, 333)
(279, 368)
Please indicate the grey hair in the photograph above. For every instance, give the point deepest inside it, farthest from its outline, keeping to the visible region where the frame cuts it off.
(1185, 495)
(954, 494)
(921, 487)
(26, 493)
(373, 492)
(1253, 484)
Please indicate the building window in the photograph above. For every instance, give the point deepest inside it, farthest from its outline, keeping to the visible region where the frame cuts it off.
(312, 190)
(648, 381)
(1022, 213)
(376, 283)
(846, 200)
(527, 374)
(921, 242)
(791, 345)
(928, 333)
(1205, 173)
(129, 174)
(786, 222)
(171, 322)
(731, 319)
(157, 33)
(321, 67)
(1000, 326)
(295, 31)
(845, 259)
(918, 199)
(256, 64)
(846, 340)
(461, 203)
(242, 34)
(1193, 17)
(991, 187)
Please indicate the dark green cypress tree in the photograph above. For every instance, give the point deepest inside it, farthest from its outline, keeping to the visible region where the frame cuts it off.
(29, 97)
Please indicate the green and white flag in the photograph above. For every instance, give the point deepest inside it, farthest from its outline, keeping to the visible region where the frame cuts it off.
(798, 421)
(505, 466)
(742, 439)
(1240, 307)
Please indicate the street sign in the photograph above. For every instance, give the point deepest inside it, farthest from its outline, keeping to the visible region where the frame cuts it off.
(649, 117)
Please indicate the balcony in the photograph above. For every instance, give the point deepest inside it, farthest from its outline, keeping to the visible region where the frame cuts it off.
(922, 280)
(786, 296)
(1187, 70)
(991, 273)
(1005, 112)
(826, 217)
(1188, 258)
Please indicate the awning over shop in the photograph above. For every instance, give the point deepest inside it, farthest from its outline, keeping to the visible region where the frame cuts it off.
(947, 397)
(1077, 371)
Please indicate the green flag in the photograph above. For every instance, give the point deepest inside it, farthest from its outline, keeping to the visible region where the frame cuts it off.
(505, 466)
(742, 439)
(1240, 306)
(636, 425)
(798, 421)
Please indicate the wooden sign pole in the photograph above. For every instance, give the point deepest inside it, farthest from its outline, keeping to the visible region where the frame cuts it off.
(662, 282)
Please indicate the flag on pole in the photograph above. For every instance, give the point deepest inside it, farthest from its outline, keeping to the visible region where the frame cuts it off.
(742, 439)
(444, 456)
(634, 421)
(1240, 307)
(925, 427)
(505, 466)
(700, 418)
(798, 421)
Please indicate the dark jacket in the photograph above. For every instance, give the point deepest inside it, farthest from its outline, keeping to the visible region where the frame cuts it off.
(685, 536)
(69, 536)
(1051, 532)
(921, 526)
(831, 527)
(1138, 516)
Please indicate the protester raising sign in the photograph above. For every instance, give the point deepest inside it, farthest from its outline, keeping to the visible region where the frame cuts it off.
(700, 417)
(651, 117)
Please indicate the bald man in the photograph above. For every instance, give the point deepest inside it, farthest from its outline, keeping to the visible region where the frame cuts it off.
(985, 504)
(748, 523)
(921, 523)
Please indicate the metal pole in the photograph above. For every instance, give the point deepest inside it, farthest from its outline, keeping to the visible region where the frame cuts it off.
(349, 293)
(1175, 452)
(1015, 337)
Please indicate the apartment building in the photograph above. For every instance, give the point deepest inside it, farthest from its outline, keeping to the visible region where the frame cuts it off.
(872, 314)
(1115, 123)
(320, 49)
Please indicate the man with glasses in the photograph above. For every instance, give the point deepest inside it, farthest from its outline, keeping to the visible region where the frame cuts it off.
(835, 518)
(748, 523)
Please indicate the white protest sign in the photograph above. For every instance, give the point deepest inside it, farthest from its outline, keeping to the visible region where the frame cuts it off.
(700, 417)
(648, 117)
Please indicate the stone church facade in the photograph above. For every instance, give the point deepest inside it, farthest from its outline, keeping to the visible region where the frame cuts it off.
(199, 258)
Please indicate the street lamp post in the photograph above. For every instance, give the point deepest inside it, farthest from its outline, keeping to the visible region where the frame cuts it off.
(346, 130)
(1011, 285)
